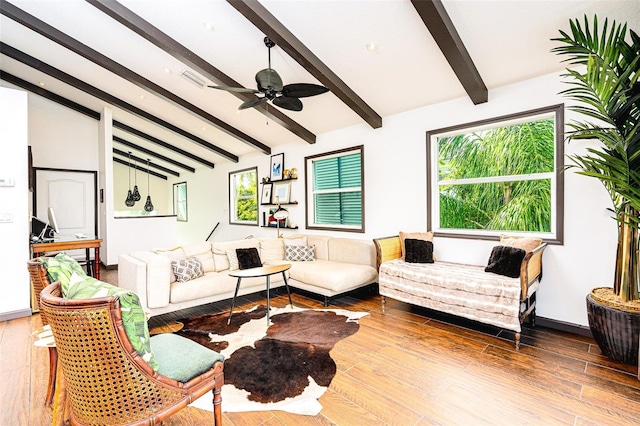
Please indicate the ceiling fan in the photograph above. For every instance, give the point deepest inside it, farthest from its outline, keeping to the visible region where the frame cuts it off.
(271, 87)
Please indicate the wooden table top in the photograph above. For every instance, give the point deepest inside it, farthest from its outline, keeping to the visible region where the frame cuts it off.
(262, 271)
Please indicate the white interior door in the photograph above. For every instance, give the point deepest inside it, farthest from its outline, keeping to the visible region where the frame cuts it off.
(72, 195)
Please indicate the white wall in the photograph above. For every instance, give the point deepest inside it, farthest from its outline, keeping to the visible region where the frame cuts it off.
(395, 194)
(14, 236)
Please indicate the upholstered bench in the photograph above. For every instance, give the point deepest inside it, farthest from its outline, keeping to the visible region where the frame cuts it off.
(462, 290)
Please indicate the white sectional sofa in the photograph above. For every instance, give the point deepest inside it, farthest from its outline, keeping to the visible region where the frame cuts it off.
(340, 265)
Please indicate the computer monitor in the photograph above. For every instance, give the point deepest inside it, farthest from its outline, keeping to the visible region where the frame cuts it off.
(52, 220)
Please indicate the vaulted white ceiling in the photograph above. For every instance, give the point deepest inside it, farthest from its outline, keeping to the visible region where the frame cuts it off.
(507, 40)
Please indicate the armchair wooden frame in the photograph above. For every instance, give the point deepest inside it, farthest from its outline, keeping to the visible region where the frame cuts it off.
(106, 380)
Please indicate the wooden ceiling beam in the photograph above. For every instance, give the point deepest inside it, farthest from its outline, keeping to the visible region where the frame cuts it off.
(148, 151)
(161, 143)
(142, 160)
(151, 172)
(259, 16)
(153, 34)
(38, 90)
(106, 97)
(107, 63)
(439, 24)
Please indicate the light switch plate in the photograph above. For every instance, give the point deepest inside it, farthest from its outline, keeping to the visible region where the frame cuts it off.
(7, 181)
(6, 217)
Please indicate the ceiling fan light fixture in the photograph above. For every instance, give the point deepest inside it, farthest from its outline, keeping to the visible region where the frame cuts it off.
(270, 88)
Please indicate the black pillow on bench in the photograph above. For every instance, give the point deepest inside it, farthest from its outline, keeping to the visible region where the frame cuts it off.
(248, 258)
(418, 251)
(505, 260)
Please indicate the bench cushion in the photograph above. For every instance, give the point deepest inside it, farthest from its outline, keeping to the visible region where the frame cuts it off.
(464, 290)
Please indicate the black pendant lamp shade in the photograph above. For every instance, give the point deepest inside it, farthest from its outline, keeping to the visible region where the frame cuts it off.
(136, 193)
(130, 201)
(148, 206)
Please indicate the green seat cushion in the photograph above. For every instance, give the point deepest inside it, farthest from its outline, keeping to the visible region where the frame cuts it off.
(60, 268)
(180, 358)
(133, 317)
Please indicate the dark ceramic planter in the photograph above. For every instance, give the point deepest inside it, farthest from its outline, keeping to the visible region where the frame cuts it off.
(616, 331)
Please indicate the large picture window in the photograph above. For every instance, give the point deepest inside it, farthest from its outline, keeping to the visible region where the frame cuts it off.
(243, 197)
(335, 190)
(502, 175)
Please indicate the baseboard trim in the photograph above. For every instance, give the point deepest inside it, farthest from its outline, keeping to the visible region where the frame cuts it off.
(580, 330)
(15, 314)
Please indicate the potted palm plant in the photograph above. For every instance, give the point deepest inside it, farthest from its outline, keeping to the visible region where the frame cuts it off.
(604, 84)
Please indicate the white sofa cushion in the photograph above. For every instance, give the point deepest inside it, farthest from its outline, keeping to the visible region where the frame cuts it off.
(335, 276)
(361, 252)
(271, 249)
(220, 251)
(202, 251)
(322, 245)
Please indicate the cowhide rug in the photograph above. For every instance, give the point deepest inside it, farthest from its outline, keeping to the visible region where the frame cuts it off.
(284, 366)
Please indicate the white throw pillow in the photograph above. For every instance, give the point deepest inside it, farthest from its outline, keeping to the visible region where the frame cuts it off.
(233, 260)
(295, 241)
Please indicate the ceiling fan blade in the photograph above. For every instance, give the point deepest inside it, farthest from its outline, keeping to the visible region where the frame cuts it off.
(293, 104)
(234, 89)
(252, 102)
(268, 77)
(303, 90)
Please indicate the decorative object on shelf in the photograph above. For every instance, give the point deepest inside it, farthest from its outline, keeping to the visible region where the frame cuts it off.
(281, 214)
(286, 174)
(266, 193)
(148, 206)
(266, 179)
(136, 193)
(294, 173)
(277, 166)
(130, 201)
(605, 88)
(281, 192)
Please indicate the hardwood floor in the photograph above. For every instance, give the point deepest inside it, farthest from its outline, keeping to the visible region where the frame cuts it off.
(407, 367)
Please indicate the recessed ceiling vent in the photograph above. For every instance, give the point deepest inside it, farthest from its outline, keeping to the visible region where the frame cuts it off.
(193, 78)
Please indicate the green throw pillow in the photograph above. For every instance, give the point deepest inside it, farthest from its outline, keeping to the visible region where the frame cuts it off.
(60, 268)
(133, 317)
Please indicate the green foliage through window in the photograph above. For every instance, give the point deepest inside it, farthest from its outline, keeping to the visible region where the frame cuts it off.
(243, 188)
(496, 178)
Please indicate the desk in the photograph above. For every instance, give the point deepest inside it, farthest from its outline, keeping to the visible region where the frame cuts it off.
(263, 271)
(72, 243)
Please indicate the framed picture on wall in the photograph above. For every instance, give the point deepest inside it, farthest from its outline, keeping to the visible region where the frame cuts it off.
(266, 193)
(277, 166)
(281, 192)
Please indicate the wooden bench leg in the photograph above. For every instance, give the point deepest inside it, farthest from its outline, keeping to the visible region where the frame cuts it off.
(517, 341)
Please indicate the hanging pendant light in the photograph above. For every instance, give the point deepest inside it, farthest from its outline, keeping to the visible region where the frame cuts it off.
(148, 206)
(129, 202)
(136, 193)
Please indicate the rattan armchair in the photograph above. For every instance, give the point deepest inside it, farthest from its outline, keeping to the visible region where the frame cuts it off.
(39, 280)
(107, 382)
